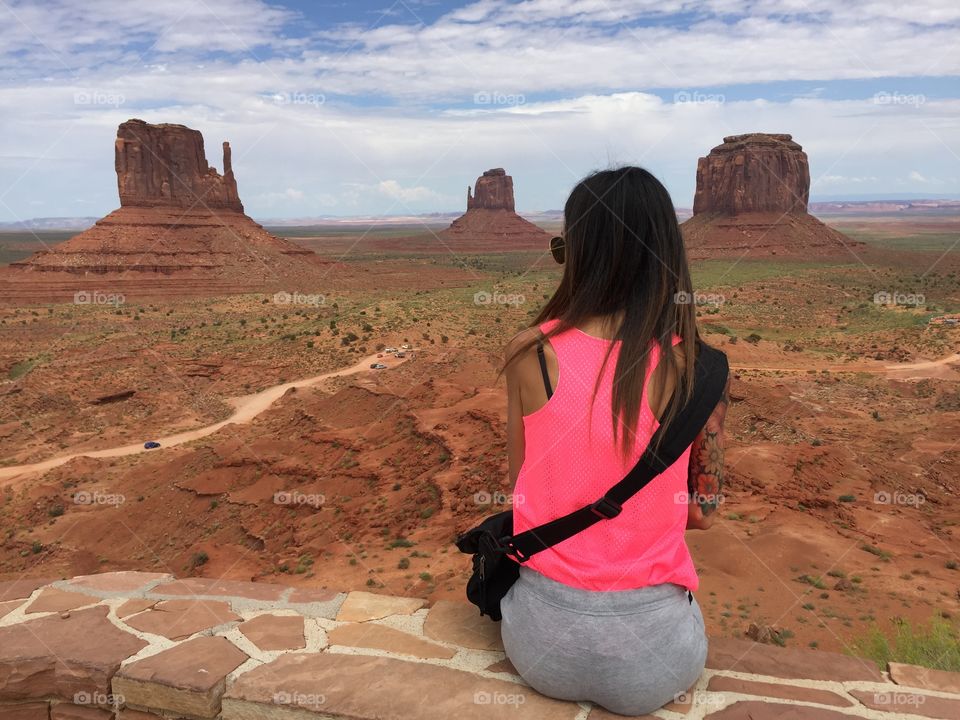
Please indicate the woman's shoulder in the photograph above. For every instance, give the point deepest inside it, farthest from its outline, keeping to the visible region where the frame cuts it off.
(524, 338)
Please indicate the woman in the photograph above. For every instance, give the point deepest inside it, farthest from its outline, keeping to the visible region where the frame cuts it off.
(608, 615)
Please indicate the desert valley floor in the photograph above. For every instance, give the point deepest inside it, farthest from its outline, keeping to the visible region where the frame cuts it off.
(840, 507)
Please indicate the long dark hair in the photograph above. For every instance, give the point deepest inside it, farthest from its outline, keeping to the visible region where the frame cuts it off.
(624, 257)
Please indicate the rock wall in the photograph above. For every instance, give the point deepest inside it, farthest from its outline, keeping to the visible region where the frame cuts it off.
(165, 166)
(233, 650)
(494, 191)
(756, 172)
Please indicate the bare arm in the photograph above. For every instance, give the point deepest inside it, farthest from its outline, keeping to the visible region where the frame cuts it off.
(705, 475)
(515, 440)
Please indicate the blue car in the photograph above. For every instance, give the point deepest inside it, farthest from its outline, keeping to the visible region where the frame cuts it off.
(151, 445)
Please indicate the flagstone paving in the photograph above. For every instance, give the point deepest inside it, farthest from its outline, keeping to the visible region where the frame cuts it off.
(142, 646)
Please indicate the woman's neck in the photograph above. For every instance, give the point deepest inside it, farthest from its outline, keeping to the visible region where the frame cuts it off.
(602, 326)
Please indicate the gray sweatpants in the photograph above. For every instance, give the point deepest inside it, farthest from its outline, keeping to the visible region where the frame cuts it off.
(629, 651)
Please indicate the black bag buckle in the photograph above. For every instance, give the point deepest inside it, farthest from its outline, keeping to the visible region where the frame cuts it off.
(606, 509)
(514, 551)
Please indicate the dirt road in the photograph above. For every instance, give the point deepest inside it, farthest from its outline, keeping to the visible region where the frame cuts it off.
(245, 409)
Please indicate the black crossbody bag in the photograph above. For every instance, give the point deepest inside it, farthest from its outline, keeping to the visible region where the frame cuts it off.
(498, 554)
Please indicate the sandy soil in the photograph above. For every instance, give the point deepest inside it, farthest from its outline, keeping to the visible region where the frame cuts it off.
(840, 506)
(245, 409)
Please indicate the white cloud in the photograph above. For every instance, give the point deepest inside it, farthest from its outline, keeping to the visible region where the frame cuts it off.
(842, 181)
(916, 177)
(422, 138)
(393, 189)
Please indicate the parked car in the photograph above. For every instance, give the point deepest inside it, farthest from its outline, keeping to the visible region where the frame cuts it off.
(151, 445)
(389, 350)
(378, 366)
(401, 354)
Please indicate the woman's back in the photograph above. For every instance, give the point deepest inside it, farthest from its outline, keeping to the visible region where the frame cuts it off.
(571, 459)
(607, 615)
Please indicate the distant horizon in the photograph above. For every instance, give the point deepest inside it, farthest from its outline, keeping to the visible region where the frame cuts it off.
(290, 221)
(367, 108)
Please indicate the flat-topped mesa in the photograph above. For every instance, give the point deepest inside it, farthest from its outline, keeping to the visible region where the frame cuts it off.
(751, 200)
(494, 191)
(755, 172)
(165, 166)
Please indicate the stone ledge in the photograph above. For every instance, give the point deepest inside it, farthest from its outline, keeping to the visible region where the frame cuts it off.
(142, 646)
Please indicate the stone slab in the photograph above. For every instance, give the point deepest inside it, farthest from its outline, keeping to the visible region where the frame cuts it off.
(126, 581)
(759, 710)
(56, 657)
(376, 688)
(459, 623)
(312, 595)
(178, 619)
(188, 678)
(53, 599)
(381, 637)
(750, 657)
(69, 711)
(264, 592)
(598, 713)
(927, 678)
(721, 684)
(9, 606)
(132, 607)
(503, 666)
(902, 700)
(275, 632)
(363, 606)
(22, 588)
(25, 711)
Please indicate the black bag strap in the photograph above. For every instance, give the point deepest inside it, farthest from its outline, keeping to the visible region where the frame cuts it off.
(543, 370)
(710, 379)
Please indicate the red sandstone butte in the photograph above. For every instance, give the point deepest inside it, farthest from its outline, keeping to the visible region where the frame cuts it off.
(491, 218)
(180, 228)
(751, 200)
(165, 165)
(494, 191)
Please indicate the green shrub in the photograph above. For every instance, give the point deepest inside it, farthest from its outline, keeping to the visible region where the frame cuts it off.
(934, 645)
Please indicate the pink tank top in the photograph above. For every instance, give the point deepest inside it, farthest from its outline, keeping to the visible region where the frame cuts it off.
(571, 460)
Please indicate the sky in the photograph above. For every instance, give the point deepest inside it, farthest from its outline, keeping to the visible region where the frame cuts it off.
(394, 108)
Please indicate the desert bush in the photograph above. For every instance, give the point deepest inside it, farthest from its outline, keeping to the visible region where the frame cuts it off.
(934, 645)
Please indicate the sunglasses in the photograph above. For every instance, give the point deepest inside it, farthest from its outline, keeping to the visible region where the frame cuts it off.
(558, 249)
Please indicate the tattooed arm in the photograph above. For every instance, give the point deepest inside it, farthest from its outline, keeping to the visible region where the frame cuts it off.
(705, 478)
